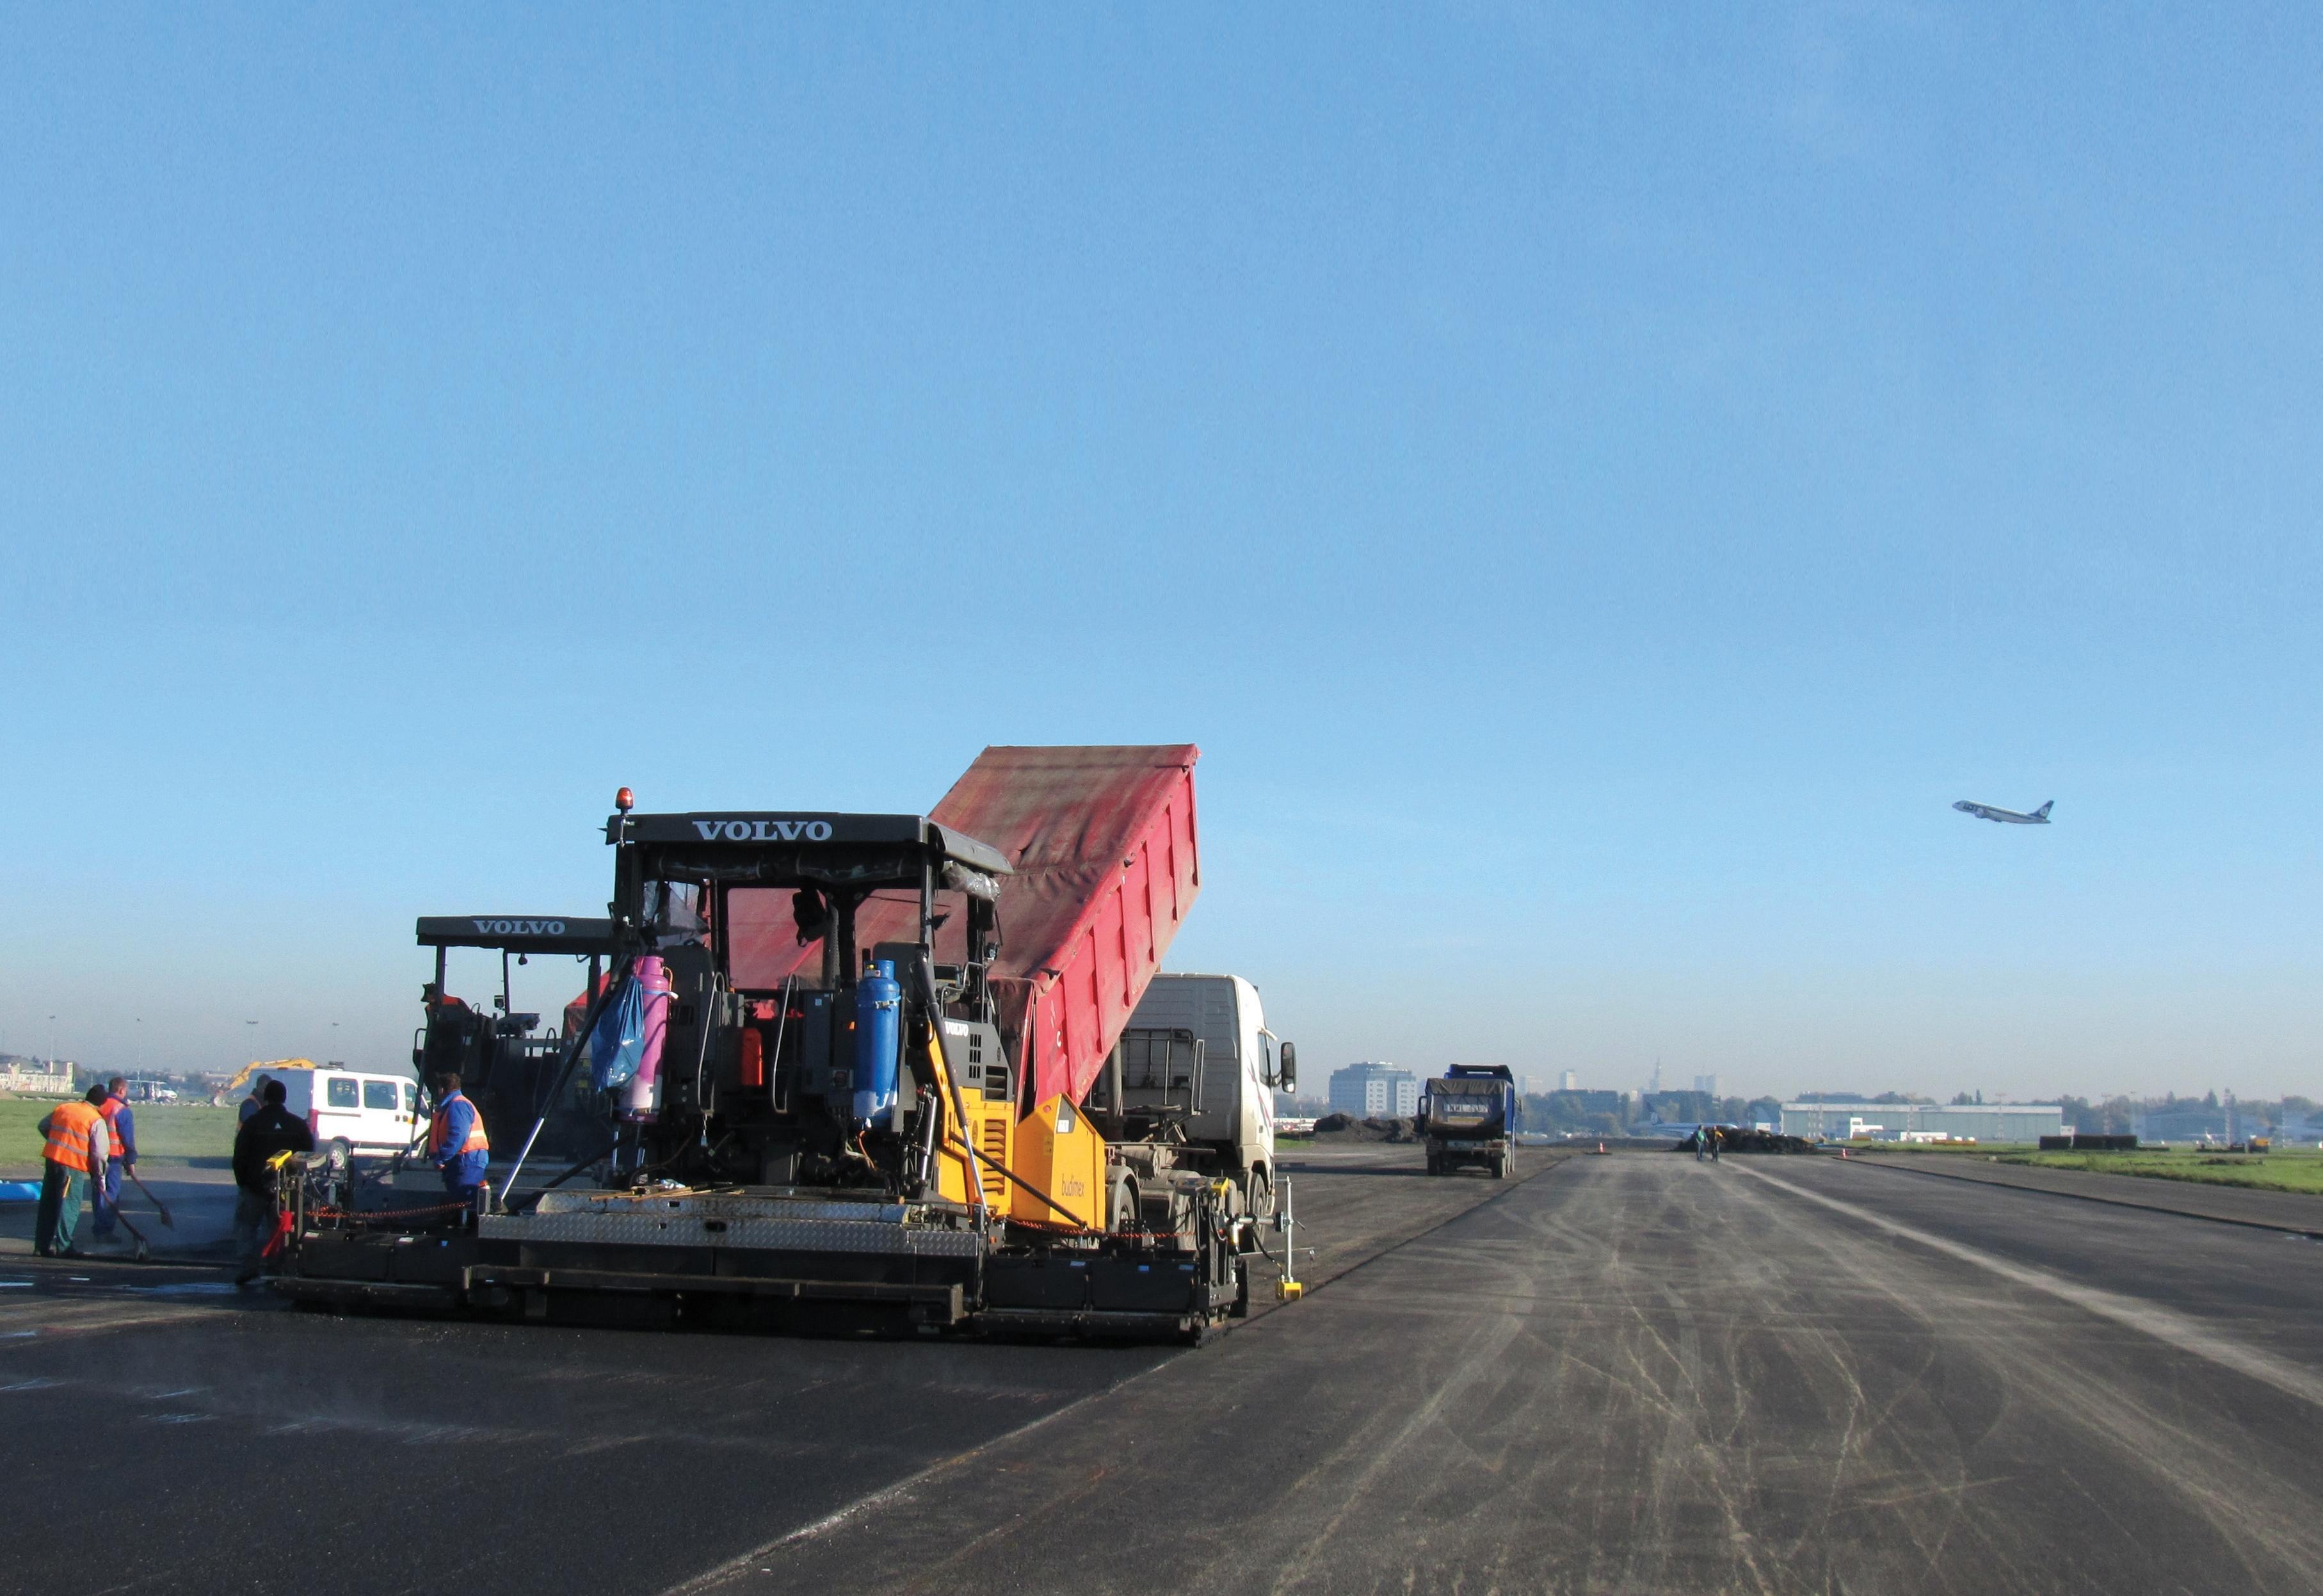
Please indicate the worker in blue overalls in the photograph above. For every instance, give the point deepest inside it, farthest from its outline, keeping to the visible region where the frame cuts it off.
(457, 1143)
(105, 1194)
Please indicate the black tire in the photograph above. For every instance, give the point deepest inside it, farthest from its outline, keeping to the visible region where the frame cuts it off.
(1260, 1195)
(1121, 1203)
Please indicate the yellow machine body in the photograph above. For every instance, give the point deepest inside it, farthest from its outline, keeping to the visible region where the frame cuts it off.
(1047, 1167)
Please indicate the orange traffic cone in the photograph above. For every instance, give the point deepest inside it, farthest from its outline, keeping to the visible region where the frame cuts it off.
(1600, 1147)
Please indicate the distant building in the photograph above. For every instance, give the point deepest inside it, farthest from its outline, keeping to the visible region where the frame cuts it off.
(2187, 1121)
(1707, 1085)
(1616, 1104)
(1375, 1091)
(50, 1075)
(1569, 1081)
(1893, 1122)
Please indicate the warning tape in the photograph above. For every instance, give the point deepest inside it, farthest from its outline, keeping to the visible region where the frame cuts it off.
(394, 1218)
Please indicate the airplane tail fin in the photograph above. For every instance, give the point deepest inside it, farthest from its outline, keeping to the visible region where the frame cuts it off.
(2042, 813)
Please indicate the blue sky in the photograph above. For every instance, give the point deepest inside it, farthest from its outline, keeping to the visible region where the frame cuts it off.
(1596, 485)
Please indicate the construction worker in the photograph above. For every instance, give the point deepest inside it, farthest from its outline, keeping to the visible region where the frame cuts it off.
(457, 1143)
(255, 1102)
(121, 1136)
(1716, 1136)
(77, 1146)
(272, 1129)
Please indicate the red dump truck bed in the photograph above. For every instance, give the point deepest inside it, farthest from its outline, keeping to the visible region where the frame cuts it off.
(1102, 844)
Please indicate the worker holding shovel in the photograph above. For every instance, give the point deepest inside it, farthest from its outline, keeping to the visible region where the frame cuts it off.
(74, 1154)
(104, 1188)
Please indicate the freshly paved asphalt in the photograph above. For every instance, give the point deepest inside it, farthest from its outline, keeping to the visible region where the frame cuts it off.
(2228, 1204)
(1627, 1373)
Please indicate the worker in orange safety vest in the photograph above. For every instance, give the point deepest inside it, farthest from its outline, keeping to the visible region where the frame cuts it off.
(78, 1146)
(457, 1143)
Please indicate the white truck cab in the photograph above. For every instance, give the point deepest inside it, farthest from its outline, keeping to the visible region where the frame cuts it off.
(1242, 1063)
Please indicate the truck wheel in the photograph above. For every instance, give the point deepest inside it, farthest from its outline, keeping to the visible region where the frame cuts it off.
(1260, 1195)
(1123, 1213)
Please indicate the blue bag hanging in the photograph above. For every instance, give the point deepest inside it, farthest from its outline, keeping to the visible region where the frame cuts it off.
(617, 1045)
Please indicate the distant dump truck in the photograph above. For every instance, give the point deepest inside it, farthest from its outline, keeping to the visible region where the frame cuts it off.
(1468, 1116)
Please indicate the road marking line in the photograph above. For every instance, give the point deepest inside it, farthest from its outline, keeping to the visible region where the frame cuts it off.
(711, 1578)
(2151, 1205)
(2164, 1325)
(733, 1566)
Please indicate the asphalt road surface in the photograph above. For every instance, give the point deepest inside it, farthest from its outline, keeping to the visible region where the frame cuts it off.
(1627, 1373)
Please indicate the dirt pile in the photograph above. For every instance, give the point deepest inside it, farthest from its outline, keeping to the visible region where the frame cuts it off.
(1346, 1127)
(1733, 1140)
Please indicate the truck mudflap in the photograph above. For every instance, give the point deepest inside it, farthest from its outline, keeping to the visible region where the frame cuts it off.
(1447, 1154)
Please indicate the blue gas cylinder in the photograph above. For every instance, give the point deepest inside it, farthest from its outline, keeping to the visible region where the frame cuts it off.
(879, 1040)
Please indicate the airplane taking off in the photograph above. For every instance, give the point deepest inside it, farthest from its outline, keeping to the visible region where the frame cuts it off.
(1985, 812)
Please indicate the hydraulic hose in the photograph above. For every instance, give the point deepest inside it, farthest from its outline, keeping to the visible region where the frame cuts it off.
(926, 982)
(574, 1048)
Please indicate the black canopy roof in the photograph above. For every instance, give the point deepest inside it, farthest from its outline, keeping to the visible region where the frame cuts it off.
(802, 829)
(517, 934)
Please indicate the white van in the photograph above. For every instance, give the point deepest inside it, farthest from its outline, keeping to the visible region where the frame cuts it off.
(370, 1113)
(1242, 1066)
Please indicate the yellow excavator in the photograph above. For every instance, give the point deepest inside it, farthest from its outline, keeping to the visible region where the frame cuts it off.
(224, 1093)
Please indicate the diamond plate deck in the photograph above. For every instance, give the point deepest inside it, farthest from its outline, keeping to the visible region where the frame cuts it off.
(760, 1224)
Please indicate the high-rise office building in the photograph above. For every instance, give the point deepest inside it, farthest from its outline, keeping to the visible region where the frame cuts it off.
(1375, 1091)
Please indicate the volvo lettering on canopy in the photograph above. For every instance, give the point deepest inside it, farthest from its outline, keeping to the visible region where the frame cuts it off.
(764, 830)
(518, 933)
(733, 828)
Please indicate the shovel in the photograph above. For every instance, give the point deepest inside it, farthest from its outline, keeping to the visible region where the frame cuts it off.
(143, 1251)
(168, 1223)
